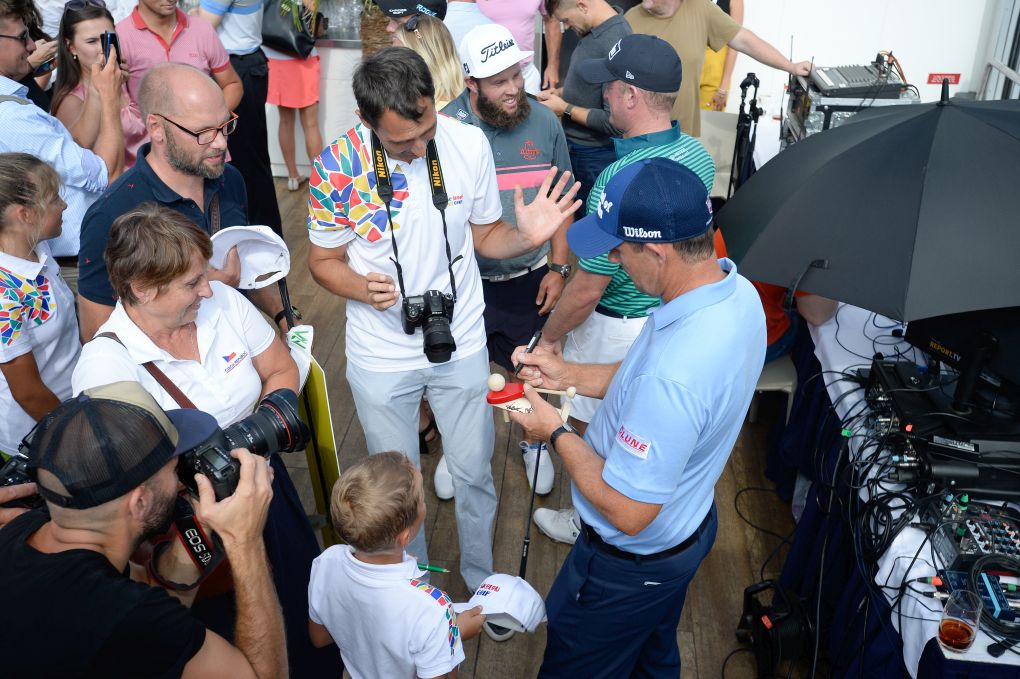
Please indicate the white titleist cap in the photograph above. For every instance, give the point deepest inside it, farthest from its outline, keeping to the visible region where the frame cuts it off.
(489, 49)
(264, 256)
(508, 601)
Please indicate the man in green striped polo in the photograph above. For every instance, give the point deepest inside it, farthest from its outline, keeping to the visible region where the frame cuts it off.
(601, 312)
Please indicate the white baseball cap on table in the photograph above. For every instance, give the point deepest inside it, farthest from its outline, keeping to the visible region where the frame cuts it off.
(507, 601)
(489, 49)
(264, 256)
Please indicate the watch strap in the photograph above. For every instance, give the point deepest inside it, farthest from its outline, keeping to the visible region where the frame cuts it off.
(560, 431)
(561, 269)
(569, 110)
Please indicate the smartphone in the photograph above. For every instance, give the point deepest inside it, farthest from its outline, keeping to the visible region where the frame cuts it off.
(107, 39)
(45, 67)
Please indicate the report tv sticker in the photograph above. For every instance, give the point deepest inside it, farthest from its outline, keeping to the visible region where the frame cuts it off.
(632, 443)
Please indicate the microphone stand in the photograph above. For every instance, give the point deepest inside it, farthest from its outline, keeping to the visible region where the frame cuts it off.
(743, 146)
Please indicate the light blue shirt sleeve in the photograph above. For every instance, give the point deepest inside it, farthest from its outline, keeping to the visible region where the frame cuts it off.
(657, 432)
(28, 129)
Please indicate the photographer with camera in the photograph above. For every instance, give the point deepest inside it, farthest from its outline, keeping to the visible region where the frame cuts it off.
(105, 464)
(398, 207)
(192, 342)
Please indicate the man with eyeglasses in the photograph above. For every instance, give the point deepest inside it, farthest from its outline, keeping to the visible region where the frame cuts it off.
(28, 129)
(184, 168)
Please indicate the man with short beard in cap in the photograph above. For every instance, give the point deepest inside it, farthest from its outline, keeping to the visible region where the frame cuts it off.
(106, 464)
(526, 141)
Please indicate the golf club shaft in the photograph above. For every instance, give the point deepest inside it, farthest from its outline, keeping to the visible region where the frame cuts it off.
(531, 508)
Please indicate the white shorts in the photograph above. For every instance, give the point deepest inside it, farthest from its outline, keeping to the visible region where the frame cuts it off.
(600, 339)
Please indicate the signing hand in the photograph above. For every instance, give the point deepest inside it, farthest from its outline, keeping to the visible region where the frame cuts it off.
(538, 221)
(553, 348)
(542, 421)
(230, 274)
(542, 368)
(380, 291)
(549, 292)
(470, 622)
(240, 518)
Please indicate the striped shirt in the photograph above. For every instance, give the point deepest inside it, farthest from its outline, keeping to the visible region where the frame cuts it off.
(621, 296)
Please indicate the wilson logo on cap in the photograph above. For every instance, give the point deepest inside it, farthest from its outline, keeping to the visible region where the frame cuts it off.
(638, 232)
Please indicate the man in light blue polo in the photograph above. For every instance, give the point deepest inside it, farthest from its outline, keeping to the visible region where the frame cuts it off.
(643, 476)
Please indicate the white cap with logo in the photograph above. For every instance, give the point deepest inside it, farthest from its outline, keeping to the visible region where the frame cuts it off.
(508, 601)
(489, 49)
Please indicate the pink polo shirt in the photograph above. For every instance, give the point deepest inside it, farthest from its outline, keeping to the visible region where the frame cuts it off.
(194, 42)
(518, 17)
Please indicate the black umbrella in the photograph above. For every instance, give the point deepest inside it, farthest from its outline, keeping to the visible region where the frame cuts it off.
(910, 211)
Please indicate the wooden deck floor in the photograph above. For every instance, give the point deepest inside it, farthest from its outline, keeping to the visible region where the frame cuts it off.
(715, 598)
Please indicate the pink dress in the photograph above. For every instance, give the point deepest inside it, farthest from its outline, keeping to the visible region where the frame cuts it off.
(135, 133)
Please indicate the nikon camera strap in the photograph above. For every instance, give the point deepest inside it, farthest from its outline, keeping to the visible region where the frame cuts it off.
(384, 187)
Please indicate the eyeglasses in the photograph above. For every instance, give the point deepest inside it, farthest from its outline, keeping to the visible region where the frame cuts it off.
(23, 38)
(206, 136)
(76, 5)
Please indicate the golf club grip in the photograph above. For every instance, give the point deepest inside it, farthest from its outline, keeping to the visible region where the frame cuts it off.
(531, 508)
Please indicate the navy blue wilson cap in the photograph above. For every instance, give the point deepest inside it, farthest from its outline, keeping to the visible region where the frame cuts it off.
(408, 8)
(644, 61)
(655, 200)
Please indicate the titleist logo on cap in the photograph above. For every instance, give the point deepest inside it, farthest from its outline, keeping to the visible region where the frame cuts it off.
(492, 49)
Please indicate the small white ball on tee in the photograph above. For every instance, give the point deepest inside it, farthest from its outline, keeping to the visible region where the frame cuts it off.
(496, 382)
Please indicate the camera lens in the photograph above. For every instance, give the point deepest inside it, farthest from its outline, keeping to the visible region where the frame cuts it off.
(439, 344)
(274, 427)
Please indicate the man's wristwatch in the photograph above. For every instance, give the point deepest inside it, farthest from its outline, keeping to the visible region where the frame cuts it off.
(568, 110)
(561, 269)
(563, 429)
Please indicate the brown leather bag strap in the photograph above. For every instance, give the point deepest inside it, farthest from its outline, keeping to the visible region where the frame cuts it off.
(158, 375)
(214, 216)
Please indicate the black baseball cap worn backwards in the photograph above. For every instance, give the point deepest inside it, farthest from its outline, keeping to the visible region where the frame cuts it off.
(655, 200)
(407, 8)
(109, 440)
(644, 61)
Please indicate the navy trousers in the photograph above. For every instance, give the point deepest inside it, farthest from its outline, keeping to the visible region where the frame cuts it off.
(614, 617)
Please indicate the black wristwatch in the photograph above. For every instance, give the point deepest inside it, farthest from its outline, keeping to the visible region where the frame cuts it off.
(561, 269)
(560, 431)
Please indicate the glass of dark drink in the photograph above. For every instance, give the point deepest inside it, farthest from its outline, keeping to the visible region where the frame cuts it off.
(960, 620)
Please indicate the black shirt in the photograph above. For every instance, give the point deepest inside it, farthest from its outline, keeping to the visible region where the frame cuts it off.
(139, 185)
(72, 614)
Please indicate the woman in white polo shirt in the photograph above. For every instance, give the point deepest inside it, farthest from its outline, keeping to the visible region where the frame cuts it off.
(38, 327)
(216, 347)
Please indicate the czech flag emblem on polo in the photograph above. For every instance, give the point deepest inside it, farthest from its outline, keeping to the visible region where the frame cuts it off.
(231, 357)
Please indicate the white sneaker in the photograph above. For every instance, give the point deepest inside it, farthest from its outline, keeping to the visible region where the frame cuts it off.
(561, 526)
(294, 183)
(546, 473)
(443, 480)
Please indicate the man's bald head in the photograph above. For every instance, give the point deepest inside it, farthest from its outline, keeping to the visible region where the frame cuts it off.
(168, 89)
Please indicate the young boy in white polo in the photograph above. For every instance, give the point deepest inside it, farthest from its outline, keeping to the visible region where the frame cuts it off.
(368, 596)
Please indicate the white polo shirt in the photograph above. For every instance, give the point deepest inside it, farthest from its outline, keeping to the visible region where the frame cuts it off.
(225, 384)
(36, 315)
(386, 622)
(345, 209)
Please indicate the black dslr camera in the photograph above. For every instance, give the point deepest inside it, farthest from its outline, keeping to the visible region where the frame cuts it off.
(433, 311)
(15, 473)
(274, 427)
